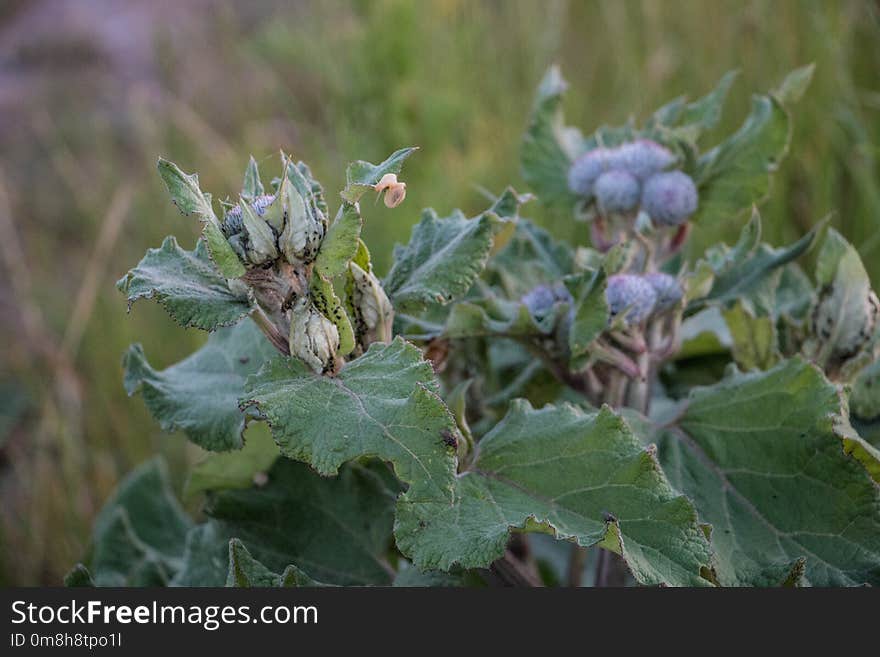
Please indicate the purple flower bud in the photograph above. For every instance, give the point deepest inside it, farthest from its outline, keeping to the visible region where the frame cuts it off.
(632, 292)
(669, 198)
(587, 168)
(668, 289)
(643, 158)
(616, 191)
(541, 298)
(233, 224)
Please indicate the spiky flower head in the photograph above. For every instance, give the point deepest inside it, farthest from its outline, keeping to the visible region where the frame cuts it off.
(669, 198)
(587, 168)
(541, 299)
(643, 158)
(668, 289)
(616, 191)
(631, 294)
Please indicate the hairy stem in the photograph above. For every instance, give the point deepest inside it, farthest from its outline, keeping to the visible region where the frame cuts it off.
(270, 330)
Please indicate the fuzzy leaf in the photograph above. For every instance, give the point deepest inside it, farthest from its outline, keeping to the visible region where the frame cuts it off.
(754, 338)
(703, 114)
(328, 304)
(590, 311)
(736, 174)
(252, 186)
(245, 571)
(189, 199)
(442, 260)
(237, 469)
(188, 286)
(763, 458)
(549, 147)
(361, 176)
(341, 242)
(139, 535)
(584, 477)
(531, 257)
(199, 395)
(337, 529)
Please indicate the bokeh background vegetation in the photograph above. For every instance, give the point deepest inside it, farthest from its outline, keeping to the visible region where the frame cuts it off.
(92, 91)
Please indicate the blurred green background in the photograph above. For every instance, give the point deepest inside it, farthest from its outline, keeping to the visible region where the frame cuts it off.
(92, 91)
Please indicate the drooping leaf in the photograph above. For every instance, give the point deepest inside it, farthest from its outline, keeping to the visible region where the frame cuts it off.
(189, 199)
(361, 176)
(188, 286)
(223, 470)
(341, 242)
(442, 260)
(762, 457)
(582, 476)
(754, 338)
(337, 529)
(549, 147)
(199, 395)
(138, 537)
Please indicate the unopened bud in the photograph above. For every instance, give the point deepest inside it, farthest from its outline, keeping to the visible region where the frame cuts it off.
(303, 233)
(668, 289)
(314, 339)
(631, 294)
(669, 198)
(373, 311)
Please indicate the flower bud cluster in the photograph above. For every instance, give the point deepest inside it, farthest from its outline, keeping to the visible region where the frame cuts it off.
(637, 297)
(635, 176)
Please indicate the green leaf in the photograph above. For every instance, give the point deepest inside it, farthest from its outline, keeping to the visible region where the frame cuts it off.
(762, 457)
(79, 576)
(189, 199)
(705, 113)
(549, 147)
(590, 311)
(384, 403)
(361, 176)
(199, 395)
(496, 317)
(754, 338)
(442, 260)
(865, 396)
(223, 470)
(252, 186)
(750, 270)
(795, 85)
(531, 257)
(736, 174)
(245, 571)
(581, 476)
(188, 286)
(337, 529)
(205, 559)
(139, 535)
(340, 243)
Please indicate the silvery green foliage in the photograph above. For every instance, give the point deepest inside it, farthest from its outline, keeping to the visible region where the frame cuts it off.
(669, 198)
(498, 380)
(631, 297)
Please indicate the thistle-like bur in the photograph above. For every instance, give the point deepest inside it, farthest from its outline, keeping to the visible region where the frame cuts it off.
(314, 339)
(640, 159)
(669, 198)
(632, 295)
(617, 191)
(668, 289)
(541, 299)
(372, 311)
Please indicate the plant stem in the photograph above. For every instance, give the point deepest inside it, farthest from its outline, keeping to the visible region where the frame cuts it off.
(515, 573)
(266, 326)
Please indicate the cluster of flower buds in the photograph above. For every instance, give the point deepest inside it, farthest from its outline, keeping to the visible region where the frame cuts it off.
(635, 176)
(289, 223)
(636, 297)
